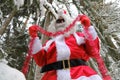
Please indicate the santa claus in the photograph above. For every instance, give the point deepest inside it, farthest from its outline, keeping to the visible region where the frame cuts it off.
(64, 56)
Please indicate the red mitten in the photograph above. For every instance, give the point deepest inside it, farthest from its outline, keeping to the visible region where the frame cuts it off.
(33, 31)
(85, 21)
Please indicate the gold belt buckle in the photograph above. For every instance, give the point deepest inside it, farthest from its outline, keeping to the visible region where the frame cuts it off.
(68, 61)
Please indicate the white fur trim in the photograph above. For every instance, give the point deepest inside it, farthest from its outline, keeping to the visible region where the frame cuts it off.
(48, 44)
(79, 40)
(63, 74)
(63, 53)
(36, 46)
(93, 77)
(92, 31)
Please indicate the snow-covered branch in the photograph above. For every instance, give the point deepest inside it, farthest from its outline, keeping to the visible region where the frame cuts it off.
(1, 14)
(49, 7)
(18, 3)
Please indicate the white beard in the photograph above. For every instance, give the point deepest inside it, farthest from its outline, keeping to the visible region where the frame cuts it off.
(54, 27)
(60, 26)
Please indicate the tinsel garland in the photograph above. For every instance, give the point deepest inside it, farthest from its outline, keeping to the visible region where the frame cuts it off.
(25, 67)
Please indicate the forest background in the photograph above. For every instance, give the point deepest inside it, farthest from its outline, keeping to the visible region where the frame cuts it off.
(17, 15)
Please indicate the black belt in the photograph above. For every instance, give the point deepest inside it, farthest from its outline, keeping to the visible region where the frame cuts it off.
(64, 64)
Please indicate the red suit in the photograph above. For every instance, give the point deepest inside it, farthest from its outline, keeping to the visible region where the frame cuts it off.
(76, 46)
(63, 57)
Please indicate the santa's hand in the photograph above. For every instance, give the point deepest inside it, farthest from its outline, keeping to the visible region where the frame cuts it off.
(89, 30)
(85, 21)
(33, 31)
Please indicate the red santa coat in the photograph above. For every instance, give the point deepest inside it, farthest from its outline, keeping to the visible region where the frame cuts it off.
(76, 46)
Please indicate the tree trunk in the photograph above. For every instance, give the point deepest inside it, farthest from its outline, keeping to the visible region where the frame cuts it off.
(6, 23)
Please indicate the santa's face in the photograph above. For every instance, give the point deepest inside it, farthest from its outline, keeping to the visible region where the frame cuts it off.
(63, 20)
(60, 23)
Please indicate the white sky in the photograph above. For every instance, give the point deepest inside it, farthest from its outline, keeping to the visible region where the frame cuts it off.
(107, 1)
(117, 1)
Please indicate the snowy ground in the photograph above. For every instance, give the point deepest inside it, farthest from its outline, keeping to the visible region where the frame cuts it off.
(9, 73)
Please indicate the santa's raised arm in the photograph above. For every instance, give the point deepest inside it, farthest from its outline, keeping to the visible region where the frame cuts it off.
(92, 46)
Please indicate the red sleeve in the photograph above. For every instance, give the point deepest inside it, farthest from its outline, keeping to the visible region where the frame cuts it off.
(40, 57)
(93, 50)
(92, 47)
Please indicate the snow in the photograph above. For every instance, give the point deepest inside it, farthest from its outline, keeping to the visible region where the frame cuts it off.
(113, 1)
(49, 6)
(42, 8)
(9, 73)
(31, 1)
(18, 3)
(73, 10)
